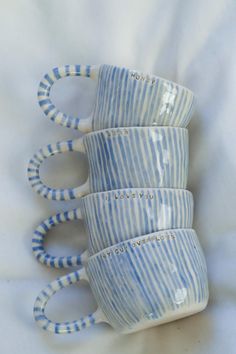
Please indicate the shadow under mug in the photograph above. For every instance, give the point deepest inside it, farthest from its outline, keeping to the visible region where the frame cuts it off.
(116, 216)
(137, 284)
(140, 157)
(124, 98)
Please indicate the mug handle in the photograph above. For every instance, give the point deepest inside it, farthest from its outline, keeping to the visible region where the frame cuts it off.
(64, 327)
(50, 110)
(51, 150)
(38, 241)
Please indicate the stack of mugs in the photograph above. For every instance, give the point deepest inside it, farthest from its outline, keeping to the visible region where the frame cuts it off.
(144, 262)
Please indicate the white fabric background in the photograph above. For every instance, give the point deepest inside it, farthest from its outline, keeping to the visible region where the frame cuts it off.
(191, 42)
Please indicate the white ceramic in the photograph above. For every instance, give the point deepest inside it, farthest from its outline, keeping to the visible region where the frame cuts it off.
(139, 283)
(139, 157)
(124, 98)
(116, 216)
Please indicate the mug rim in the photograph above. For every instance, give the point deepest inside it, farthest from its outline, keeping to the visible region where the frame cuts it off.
(120, 244)
(185, 191)
(161, 127)
(152, 75)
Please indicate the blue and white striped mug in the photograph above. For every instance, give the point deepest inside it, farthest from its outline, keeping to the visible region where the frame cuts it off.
(138, 283)
(116, 216)
(124, 98)
(139, 157)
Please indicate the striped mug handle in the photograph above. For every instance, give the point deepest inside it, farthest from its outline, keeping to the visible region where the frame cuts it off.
(50, 110)
(51, 150)
(38, 241)
(64, 327)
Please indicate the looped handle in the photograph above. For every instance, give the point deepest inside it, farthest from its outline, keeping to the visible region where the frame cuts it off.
(43, 154)
(38, 241)
(50, 110)
(63, 327)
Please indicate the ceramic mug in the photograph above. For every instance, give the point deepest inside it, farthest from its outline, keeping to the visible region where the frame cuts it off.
(124, 98)
(140, 157)
(138, 283)
(116, 216)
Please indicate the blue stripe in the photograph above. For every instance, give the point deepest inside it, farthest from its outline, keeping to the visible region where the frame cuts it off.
(66, 215)
(34, 240)
(60, 262)
(48, 110)
(34, 178)
(91, 319)
(50, 81)
(71, 193)
(70, 145)
(88, 70)
(56, 73)
(37, 248)
(39, 317)
(44, 101)
(57, 328)
(43, 86)
(77, 69)
(45, 227)
(67, 70)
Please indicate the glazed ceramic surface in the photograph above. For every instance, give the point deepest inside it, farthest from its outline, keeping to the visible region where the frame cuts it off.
(140, 157)
(124, 98)
(115, 216)
(137, 284)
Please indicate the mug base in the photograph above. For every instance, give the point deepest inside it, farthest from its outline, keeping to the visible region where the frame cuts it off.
(169, 317)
